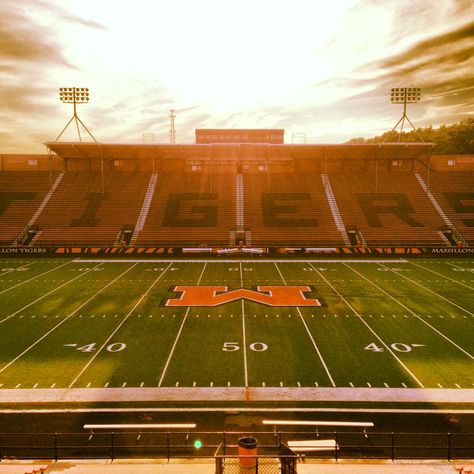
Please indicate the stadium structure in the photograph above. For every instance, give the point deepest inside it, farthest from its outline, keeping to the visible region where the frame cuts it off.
(277, 252)
(223, 195)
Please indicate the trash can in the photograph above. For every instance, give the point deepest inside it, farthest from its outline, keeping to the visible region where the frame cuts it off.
(247, 447)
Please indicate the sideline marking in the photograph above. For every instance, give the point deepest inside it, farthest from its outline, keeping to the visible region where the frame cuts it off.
(119, 326)
(310, 335)
(413, 313)
(165, 368)
(64, 320)
(370, 328)
(218, 260)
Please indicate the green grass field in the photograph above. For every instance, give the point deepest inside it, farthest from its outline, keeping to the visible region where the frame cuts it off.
(67, 323)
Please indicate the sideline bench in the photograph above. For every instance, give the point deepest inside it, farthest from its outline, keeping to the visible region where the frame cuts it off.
(312, 445)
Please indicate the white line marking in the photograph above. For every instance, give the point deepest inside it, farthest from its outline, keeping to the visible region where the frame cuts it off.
(165, 368)
(327, 260)
(119, 325)
(309, 334)
(430, 291)
(441, 275)
(370, 328)
(49, 292)
(244, 338)
(34, 278)
(412, 312)
(64, 320)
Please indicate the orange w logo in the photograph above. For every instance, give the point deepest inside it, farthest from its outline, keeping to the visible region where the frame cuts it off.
(268, 295)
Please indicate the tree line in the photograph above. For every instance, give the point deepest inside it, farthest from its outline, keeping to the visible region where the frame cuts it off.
(456, 139)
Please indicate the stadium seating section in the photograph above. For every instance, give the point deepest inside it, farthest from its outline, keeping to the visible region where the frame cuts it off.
(203, 208)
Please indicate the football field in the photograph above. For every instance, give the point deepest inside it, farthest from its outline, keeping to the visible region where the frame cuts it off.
(68, 323)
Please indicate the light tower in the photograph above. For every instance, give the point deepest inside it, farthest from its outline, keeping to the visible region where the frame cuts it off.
(172, 129)
(405, 95)
(75, 95)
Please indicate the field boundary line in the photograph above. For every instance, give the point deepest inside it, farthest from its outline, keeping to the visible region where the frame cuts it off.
(412, 312)
(318, 352)
(37, 276)
(119, 325)
(389, 349)
(64, 320)
(443, 276)
(430, 291)
(165, 368)
(270, 394)
(218, 260)
(49, 293)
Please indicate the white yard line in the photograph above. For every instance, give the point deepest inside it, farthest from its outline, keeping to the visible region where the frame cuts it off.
(412, 312)
(387, 347)
(119, 325)
(318, 352)
(165, 368)
(244, 331)
(34, 278)
(218, 259)
(430, 291)
(442, 276)
(64, 320)
(47, 294)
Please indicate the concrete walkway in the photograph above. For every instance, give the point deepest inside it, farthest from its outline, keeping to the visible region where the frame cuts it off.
(146, 394)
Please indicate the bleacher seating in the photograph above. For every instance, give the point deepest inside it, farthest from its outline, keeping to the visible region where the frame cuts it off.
(288, 209)
(199, 208)
(454, 191)
(394, 210)
(21, 192)
(79, 213)
(191, 209)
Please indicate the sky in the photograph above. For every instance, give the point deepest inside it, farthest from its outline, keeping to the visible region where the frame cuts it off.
(320, 69)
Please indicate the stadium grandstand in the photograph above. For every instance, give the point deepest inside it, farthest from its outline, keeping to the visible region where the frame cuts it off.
(237, 195)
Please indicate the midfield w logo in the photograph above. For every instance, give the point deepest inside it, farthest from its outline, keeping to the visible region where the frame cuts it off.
(268, 295)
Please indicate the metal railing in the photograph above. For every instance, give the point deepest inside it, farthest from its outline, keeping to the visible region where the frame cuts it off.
(168, 445)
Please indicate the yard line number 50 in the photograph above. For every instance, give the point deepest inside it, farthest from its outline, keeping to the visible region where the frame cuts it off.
(234, 346)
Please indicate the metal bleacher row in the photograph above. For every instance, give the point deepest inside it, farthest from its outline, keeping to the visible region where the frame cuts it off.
(186, 208)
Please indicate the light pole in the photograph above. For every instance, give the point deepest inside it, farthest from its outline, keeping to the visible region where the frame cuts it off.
(405, 95)
(75, 95)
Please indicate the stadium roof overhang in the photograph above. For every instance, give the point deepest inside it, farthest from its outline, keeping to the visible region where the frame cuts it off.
(114, 151)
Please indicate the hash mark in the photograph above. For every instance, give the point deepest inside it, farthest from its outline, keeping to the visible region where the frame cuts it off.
(142, 383)
(18, 385)
(176, 384)
(316, 384)
(194, 384)
(54, 385)
(404, 385)
(439, 385)
(385, 384)
(351, 384)
(35, 385)
(106, 385)
(228, 384)
(124, 384)
(88, 385)
(457, 385)
(263, 384)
